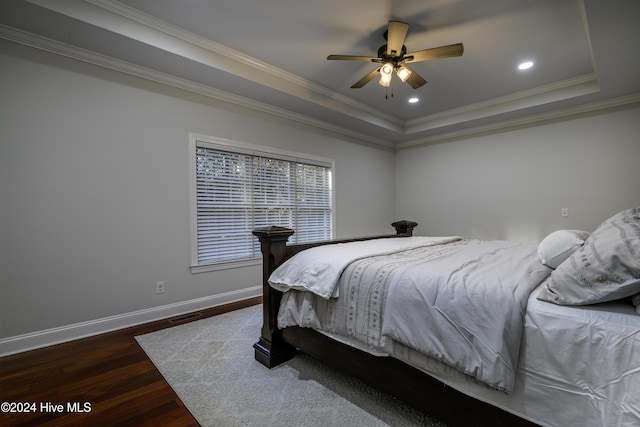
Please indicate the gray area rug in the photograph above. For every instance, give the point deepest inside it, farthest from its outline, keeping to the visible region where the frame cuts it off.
(210, 365)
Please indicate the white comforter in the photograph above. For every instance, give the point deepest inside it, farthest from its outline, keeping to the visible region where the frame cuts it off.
(461, 302)
(318, 269)
(467, 309)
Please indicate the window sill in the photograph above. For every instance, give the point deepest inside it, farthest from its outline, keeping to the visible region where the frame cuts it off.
(205, 268)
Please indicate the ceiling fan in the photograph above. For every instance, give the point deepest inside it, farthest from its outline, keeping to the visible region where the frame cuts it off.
(393, 56)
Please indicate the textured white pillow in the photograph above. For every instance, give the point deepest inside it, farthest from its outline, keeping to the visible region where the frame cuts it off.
(605, 268)
(559, 245)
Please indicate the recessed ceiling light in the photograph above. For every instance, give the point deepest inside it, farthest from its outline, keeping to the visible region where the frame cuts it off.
(413, 100)
(525, 65)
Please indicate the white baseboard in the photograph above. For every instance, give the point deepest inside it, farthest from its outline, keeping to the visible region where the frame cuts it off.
(33, 340)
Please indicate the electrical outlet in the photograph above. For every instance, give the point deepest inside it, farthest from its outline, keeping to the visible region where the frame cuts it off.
(159, 287)
(564, 212)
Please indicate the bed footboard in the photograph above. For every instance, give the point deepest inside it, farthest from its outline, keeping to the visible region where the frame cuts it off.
(271, 349)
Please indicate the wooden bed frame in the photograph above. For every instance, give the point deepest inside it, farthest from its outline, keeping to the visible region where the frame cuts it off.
(408, 384)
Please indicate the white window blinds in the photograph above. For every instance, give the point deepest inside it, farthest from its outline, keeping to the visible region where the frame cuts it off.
(238, 191)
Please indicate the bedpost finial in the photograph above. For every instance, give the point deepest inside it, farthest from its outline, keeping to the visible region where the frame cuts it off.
(272, 232)
(404, 226)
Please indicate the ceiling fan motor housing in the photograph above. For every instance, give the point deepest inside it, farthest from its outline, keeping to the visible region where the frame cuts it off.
(382, 54)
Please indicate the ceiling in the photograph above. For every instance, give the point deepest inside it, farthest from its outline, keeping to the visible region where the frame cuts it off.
(271, 55)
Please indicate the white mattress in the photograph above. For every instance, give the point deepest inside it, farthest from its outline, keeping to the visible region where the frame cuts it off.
(579, 366)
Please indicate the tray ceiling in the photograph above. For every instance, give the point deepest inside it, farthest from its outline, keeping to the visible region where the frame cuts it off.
(271, 55)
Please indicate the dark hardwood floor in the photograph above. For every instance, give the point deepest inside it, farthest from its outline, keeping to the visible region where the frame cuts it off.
(107, 376)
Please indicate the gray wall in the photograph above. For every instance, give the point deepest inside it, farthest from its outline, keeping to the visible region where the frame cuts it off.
(94, 189)
(512, 185)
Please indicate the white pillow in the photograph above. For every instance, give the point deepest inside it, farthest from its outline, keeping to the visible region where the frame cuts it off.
(605, 268)
(559, 245)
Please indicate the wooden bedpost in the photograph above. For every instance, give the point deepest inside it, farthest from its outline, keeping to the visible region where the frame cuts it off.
(270, 350)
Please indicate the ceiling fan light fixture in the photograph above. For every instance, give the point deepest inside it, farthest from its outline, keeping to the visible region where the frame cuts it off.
(385, 79)
(403, 73)
(387, 69)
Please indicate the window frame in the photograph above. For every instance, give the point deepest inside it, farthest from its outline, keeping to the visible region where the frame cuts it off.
(197, 140)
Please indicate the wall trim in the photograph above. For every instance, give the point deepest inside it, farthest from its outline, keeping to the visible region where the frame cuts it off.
(628, 101)
(570, 88)
(558, 91)
(136, 25)
(210, 45)
(47, 337)
(58, 48)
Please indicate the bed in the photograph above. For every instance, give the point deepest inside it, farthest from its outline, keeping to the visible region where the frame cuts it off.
(514, 334)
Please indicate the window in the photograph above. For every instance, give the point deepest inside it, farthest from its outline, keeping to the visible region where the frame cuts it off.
(236, 187)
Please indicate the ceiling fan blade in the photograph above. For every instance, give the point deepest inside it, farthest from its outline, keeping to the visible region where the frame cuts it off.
(366, 79)
(353, 58)
(435, 53)
(396, 33)
(414, 79)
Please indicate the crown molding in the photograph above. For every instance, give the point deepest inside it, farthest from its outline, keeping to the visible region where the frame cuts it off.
(76, 53)
(129, 22)
(72, 52)
(124, 20)
(561, 114)
(558, 91)
(180, 33)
